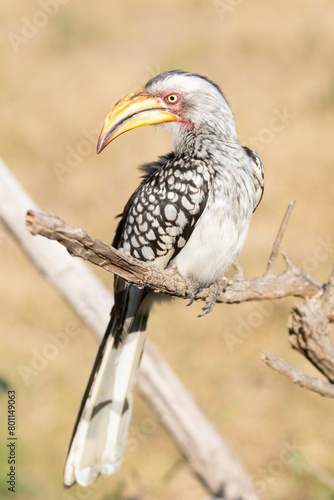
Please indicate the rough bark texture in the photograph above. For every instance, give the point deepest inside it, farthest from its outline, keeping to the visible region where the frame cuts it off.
(309, 329)
(309, 323)
(292, 282)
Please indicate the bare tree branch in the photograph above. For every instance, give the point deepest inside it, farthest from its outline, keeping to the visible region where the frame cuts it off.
(313, 384)
(292, 282)
(309, 329)
(308, 323)
(271, 267)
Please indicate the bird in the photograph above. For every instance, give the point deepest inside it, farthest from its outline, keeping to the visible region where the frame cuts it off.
(192, 211)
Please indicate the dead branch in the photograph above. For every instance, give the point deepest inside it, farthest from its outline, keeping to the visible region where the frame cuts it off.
(271, 267)
(192, 431)
(313, 384)
(309, 321)
(292, 282)
(309, 329)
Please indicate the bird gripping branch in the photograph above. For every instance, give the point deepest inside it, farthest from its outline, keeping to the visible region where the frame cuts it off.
(192, 210)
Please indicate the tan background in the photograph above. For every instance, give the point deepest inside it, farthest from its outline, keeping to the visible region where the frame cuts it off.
(58, 81)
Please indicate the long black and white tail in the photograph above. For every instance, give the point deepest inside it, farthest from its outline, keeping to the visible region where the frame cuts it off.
(100, 433)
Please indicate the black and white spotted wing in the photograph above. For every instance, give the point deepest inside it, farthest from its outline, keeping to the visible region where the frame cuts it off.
(162, 213)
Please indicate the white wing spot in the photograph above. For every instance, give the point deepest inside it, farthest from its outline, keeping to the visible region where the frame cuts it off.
(186, 203)
(147, 253)
(134, 242)
(170, 212)
(151, 235)
(181, 242)
(206, 175)
(173, 230)
(167, 240)
(198, 180)
(172, 196)
(181, 219)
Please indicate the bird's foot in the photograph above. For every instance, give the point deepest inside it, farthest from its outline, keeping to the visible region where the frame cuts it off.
(211, 300)
(212, 297)
(193, 288)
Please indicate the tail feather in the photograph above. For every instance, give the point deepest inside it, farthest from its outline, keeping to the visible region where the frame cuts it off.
(100, 433)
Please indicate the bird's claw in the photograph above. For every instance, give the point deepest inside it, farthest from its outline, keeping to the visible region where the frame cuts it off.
(212, 297)
(193, 289)
(211, 300)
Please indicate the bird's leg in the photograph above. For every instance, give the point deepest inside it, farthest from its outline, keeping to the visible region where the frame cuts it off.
(213, 294)
(193, 288)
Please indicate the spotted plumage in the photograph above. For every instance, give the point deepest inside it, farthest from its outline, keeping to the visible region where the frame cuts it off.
(192, 210)
(161, 214)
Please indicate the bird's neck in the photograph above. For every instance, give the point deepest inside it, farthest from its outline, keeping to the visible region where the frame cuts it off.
(206, 143)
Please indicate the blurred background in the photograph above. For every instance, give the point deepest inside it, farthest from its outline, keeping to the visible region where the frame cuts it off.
(64, 64)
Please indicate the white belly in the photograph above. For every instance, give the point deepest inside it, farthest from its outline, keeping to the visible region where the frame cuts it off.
(214, 244)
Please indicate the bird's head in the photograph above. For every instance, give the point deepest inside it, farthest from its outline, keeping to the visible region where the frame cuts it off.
(185, 101)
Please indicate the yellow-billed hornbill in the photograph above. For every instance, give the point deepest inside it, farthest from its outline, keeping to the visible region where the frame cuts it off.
(191, 210)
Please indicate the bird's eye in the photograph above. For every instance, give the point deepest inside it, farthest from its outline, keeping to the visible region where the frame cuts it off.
(172, 98)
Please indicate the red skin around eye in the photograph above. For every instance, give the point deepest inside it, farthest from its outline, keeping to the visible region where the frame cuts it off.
(177, 106)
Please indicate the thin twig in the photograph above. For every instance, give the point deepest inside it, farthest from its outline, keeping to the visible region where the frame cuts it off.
(278, 240)
(313, 384)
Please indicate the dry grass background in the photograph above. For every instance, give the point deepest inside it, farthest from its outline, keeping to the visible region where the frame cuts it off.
(268, 57)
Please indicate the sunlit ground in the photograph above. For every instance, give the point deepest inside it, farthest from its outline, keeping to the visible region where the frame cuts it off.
(274, 62)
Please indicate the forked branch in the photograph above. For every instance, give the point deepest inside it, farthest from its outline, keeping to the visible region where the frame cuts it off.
(292, 282)
(309, 321)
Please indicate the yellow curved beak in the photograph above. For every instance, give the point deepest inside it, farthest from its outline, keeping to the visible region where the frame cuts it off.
(134, 110)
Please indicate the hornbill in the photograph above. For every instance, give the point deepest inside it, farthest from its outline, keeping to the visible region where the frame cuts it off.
(192, 210)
